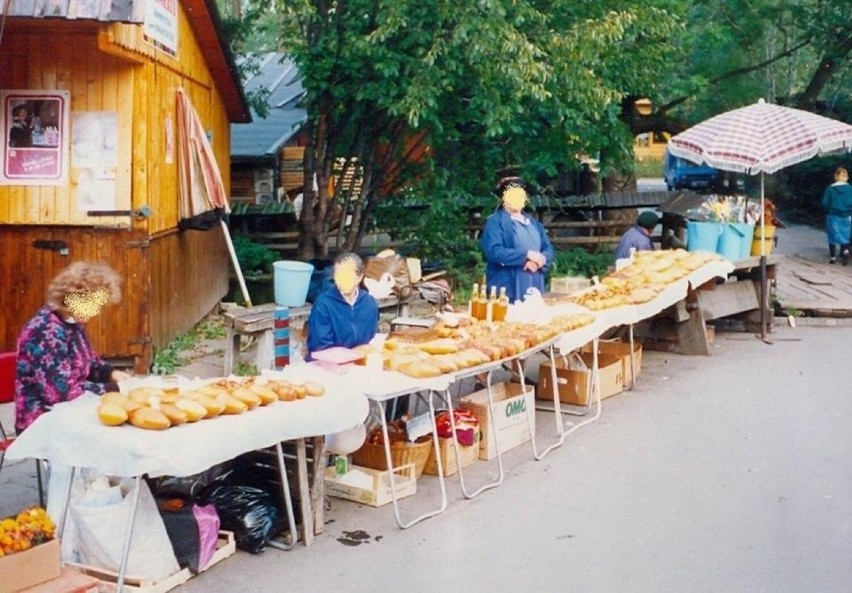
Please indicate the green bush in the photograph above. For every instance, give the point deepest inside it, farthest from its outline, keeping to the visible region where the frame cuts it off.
(254, 258)
(579, 262)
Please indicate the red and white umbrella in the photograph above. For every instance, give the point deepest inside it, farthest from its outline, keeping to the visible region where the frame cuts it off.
(761, 138)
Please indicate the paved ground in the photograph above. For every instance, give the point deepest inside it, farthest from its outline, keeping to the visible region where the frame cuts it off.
(722, 473)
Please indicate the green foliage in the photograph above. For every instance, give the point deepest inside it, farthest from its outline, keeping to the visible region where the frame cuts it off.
(179, 352)
(254, 258)
(245, 369)
(579, 262)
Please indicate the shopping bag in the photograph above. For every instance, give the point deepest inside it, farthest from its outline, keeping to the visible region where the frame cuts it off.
(101, 531)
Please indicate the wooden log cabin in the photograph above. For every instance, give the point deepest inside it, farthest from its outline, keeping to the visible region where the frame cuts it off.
(100, 83)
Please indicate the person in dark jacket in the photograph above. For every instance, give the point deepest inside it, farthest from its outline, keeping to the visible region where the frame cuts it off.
(517, 249)
(638, 236)
(345, 315)
(837, 203)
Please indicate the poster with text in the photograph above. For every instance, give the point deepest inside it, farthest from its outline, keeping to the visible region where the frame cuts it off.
(35, 137)
(160, 28)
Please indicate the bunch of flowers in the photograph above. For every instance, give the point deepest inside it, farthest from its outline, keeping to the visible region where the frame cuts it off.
(31, 527)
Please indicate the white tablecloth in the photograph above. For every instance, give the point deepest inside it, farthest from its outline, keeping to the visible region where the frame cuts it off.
(71, 433)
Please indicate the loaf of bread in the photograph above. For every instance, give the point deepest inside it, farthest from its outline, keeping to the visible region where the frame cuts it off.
(193, 409)
(175, 415)
(314, 389)
(149, 418)
(112, 414)
(419, 369)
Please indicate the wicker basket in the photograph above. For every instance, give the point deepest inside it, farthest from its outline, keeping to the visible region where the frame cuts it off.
(402, 453)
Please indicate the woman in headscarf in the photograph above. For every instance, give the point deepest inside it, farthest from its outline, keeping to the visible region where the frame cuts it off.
(517, 249)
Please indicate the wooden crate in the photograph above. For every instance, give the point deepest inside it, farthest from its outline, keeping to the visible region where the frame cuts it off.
(108, 580)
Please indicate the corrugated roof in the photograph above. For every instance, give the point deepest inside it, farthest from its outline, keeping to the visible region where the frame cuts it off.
(264, 137)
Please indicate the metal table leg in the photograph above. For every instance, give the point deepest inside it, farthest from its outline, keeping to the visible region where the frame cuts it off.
(288, 504)
(389, 461)
(594, 396)
(632, 358)
(500, 472)
(128, 534)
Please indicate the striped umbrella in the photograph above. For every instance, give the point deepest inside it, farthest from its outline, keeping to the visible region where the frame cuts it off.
(761, 138)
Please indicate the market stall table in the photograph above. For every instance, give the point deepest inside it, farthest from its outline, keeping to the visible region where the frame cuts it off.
(382, 386)
(71, 435)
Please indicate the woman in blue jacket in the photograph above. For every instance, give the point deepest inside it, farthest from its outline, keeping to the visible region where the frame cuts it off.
(517, 250)
(345, 315)
(837, 203)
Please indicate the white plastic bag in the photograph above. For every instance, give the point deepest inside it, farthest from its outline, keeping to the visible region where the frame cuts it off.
(100, 532)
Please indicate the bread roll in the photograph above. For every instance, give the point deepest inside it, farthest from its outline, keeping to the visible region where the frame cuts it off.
(265, 393)
(175, 415)
(232, 404)
(149, 418)
(439, 346)
(114, 397)
(142, 394)
(213, 406)
(314, 389)
(248, 397)
(112, 414)
(419, 369)
(193, 409)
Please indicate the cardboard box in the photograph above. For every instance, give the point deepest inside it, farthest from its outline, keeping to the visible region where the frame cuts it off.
(622, 351)
(376, 494)
(30, 567)
(108, 580)
(574, 386)
(510, 419)
(467, 455)
(69, 581)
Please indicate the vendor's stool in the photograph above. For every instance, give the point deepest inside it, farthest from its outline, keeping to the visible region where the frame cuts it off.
(8, 362)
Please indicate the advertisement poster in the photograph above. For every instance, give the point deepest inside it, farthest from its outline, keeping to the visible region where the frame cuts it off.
(94, 158)
(35, 137)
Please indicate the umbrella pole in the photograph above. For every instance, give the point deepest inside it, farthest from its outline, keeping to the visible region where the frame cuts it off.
(763, 287)
(236, 263)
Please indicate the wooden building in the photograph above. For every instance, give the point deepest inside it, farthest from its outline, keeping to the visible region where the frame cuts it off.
(100, 181)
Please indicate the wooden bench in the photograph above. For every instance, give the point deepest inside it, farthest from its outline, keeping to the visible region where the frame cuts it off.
(258, 323)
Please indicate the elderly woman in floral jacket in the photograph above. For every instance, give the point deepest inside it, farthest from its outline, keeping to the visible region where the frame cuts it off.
(56, 361)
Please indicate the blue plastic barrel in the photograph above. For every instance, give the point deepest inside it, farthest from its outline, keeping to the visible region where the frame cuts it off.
(702, 236)
(292, 280)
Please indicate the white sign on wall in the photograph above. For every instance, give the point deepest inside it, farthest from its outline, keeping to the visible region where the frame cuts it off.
(161, 25)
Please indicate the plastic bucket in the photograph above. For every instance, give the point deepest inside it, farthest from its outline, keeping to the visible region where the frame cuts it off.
(768, 239)
(735, 242)
(292, 280)
(702, 236)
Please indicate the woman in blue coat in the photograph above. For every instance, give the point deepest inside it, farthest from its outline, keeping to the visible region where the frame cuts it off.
(345, 315)
(837, 203)
(517, 250)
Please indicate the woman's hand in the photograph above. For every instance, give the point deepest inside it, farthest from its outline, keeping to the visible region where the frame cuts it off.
(531, 266)
(119, 376)
(537, 258)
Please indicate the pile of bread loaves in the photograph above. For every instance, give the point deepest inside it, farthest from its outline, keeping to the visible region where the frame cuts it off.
(448, 349)
(157, 407)
(643, 278)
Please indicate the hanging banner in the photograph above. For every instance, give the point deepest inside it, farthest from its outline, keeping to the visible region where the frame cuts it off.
(35, 137)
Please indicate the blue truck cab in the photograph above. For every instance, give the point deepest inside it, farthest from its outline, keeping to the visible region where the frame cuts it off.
(683, 174)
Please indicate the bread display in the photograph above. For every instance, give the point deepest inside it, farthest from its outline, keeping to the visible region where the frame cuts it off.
(154, 408)
(647, 274)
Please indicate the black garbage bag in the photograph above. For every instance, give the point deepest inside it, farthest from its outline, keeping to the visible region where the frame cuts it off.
(247, 511)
